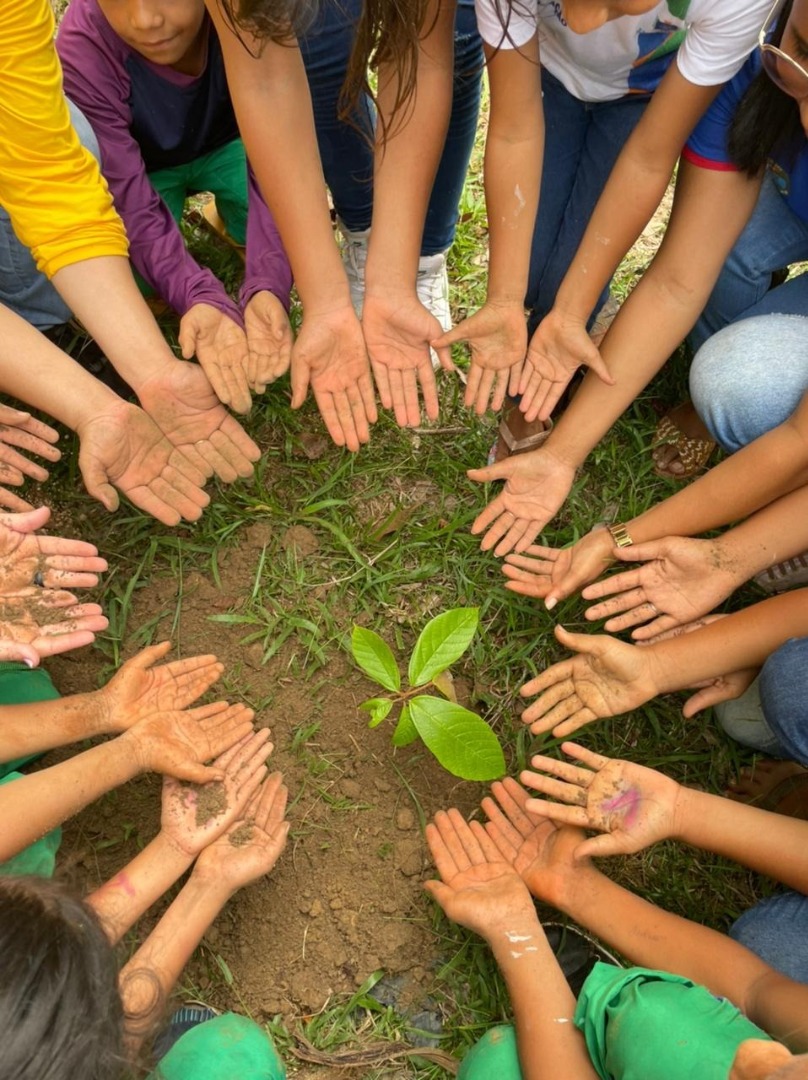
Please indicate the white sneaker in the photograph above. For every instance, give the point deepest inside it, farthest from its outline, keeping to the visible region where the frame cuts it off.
(432, 287)
(354, 256)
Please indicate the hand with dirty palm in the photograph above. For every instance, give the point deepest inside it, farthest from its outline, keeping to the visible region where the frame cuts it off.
(21, 431)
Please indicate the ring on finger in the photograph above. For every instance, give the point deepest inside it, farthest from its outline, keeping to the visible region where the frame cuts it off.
(653, 607)
(39, 580)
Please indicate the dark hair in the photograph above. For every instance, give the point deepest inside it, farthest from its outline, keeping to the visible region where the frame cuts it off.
(270, 20)
(60, 1009)
(767, 119)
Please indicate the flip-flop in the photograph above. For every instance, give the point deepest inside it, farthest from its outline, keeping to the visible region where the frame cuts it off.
(784, 575)
(692, 451)
(786, 778)
(508, 445)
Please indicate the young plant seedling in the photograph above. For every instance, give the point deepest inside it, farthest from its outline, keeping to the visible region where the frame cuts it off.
(461, 740)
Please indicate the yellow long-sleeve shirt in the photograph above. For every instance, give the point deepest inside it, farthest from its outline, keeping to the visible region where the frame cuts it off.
(50, 185)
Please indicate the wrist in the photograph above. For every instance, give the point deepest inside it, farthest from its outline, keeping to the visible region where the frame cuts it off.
(687, 809)
(209, 882)
(172, 853)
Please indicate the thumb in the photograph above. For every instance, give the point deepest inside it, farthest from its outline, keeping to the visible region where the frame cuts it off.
(187, 337)
(500, 470)
(97, 483)
(652, 549)
(194, 773)
(16, 652)
(28, 521)
(602, 846)
(592, 644)
(703, 699)
(439, 892)
(451, 337)
(597, 364)
(299, 378)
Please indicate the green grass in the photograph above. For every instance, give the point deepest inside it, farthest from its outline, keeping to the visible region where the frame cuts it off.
(392, 524)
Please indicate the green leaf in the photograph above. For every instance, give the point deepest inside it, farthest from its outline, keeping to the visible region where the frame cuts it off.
(461, 740)
(375, 658)
(406, 731)
(378, 707)
(441, 642)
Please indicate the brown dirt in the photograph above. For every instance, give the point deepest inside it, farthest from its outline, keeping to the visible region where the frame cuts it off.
(346, 898)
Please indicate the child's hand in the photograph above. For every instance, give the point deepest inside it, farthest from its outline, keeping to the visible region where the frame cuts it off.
(553, 574)
(540, 852)
(51, 562)
(44, 622)
(194, 816)
(269, 340)
(253, 844)
(497, 337)
(220, 346)
(478, 889)
(20, 431)
(140, 688)
(679, 580)
(607, 678)
(634, 806)
(176, 743)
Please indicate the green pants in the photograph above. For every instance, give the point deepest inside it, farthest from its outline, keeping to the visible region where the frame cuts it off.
(222, 172)
(21, 685)
(230, 1047)
(493, 1056)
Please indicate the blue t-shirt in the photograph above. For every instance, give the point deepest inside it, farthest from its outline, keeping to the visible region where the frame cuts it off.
(708, 146)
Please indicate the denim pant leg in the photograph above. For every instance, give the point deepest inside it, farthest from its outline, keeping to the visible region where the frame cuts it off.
(347, 153)
(469, 61)
(774, 237)
(784, 698)
(582, 142)
(776, 930)
(750, 376)
(346, 149)
(23, 289)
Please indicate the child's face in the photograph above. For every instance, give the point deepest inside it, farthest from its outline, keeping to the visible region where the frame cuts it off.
(757, 1059)
(161, 30)
(583, 16)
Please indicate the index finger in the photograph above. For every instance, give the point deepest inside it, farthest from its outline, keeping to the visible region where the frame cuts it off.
(628, 579)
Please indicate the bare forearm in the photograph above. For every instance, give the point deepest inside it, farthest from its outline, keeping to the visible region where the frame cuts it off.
(121, 901)
(742, 640)
(42, 725)
(769, 843)
(103, 294)
(777, 532)
(35, 804)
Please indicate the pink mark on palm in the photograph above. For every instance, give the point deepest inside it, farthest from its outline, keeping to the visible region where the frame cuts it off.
(627, 803)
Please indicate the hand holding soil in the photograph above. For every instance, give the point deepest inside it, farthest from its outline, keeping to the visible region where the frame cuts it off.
(61, 563)
(634, 806)
(35, 623)
(479, 888)
(680, 580)
(176, 743)
(140, 688)
(253, 843)
(543, 854)
(607, 678)
(193, 816)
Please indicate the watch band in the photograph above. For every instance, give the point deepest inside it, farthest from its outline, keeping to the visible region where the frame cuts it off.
(620, 535)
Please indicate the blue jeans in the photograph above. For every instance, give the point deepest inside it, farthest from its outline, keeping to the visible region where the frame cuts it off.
(749, 377)
(23, 289)
(581, 144)
(774, 238)
(776, 930)
(347, 153)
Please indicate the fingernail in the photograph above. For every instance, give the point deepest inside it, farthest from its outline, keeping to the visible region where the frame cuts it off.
(28, 662)
(550, 603)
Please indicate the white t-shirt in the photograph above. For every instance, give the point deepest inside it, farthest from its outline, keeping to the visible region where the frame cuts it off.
(710, 39)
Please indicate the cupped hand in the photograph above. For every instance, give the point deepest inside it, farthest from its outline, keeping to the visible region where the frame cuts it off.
(536, 486)
(330, 355)
(541, 852)
(193, 816)
(633, 806)
(124, 449)
(182, 403)
(497, 337)
(60, 562)
(557, 349)
(398, 330)
(141, 688)
(177, 742)
(254, 842)
(269, 339)
(220, 346)
(680, 580)
(478, 888)
(21, 431)
(35, 623)
(553, 574)
(607, 678)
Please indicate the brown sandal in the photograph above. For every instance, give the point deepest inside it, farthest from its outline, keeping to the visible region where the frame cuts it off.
(692, 451)
(528, 435)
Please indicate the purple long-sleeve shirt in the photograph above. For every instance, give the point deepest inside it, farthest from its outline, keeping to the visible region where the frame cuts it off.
(147, 116)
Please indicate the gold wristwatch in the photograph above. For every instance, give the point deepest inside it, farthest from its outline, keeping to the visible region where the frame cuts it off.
(620, 535)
